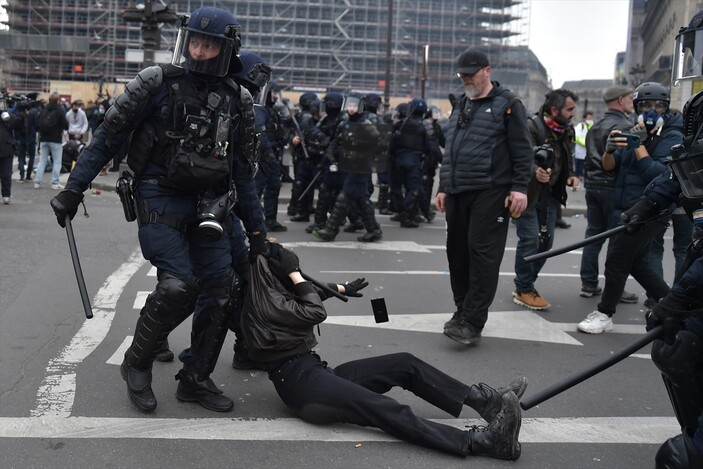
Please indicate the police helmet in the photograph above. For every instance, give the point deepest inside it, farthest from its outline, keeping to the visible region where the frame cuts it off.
(418, 107)
(309, 101)
(402, 110)
(354, 103)
(372, 102)
(254, 73)
(333, 102)
(208, 43)
(650, 91)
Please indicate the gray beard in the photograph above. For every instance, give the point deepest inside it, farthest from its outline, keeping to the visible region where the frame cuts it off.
(471, 91)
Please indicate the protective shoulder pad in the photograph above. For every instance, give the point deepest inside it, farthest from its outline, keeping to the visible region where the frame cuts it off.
(171, 71)
(130, 104)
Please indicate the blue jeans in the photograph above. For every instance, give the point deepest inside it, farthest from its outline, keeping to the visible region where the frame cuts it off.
(56, 150)
(683, 237)
(600, 202)
(528, 243)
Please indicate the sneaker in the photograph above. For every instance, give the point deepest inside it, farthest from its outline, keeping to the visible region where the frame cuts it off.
(21, 180)
(560, 223)
(57, 187)
(499, 439)
(596, 323)
(589, 292)
(463, 332)
(6, 200)
(629, 298)
(325, 234)
(531, 299)
(37, 185)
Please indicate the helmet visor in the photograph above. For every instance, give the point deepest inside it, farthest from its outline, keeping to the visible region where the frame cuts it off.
(688, 56)
(202, 53)
(352, 104)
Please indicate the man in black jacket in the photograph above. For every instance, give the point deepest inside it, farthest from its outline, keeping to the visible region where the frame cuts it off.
(600, 185)
(279, 316)
(482, 183)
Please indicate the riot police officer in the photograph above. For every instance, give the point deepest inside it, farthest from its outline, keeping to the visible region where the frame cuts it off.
(308, 143)
(331, 178)
(679, 354)
(412, 141)
(192, 151)
(354, 145)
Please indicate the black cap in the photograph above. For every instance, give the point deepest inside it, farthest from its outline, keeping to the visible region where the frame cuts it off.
(471, 61)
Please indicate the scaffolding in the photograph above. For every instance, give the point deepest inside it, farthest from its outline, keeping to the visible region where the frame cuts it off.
(317, 45)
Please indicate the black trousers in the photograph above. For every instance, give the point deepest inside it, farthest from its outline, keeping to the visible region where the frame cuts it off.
(477, 228)
(353, 393)
(628, 255)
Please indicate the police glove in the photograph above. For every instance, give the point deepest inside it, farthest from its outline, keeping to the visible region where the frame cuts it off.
(635, 217)
(66, 203)
(610, 144)
(258, 244)
(671, 311)
(352, 288)
(641, 132)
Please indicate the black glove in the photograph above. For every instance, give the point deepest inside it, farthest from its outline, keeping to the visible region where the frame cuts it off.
(352, 288)
(671, 311)
(610, 145)
(66, 203)
(634, 218)
(258, 244)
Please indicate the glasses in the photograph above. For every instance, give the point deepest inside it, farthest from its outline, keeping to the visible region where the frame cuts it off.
(659, 106)
(469, 75)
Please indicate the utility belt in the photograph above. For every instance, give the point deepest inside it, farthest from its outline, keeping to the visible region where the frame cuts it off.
(135, 208)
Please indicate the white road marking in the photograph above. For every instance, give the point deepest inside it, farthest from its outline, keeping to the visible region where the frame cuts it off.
(140, 299)
(405, 246)
(152, 272)
(602, 430)
(646, 356)
(118, 356)
(58, 389)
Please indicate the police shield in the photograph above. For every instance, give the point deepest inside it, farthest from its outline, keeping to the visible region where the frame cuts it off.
(361, 148)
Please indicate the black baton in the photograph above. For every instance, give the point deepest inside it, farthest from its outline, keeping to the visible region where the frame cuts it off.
(324, 287)
(583, 375)
(77, 268)
(571, 247)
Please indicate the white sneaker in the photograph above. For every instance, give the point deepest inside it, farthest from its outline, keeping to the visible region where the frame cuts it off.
(37, 185)
(57, 187)
(596, 323)
(6, 200)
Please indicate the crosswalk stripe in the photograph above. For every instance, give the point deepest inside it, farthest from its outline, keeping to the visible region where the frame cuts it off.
(604, 430)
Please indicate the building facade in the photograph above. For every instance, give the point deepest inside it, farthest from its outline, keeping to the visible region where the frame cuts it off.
(315, 45)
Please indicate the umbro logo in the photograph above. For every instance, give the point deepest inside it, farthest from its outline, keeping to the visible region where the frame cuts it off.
(500, 219)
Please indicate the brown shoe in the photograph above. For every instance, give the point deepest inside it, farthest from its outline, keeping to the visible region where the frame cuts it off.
(531, 300)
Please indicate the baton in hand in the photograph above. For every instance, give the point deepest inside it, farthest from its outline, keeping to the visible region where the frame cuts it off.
(324, 287)
(77, 268)
(583, 375)
(580, 244)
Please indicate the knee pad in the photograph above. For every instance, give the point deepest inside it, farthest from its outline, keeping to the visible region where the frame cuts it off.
(680, 360)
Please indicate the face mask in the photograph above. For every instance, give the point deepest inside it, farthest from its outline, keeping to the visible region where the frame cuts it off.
(651, 120)
(75, 110)
(589, 121)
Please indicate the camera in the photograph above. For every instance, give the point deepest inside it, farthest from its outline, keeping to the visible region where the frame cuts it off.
(212, 213)
(542, 153)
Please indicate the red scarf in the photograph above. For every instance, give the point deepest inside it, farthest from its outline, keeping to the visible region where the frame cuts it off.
(554, 126)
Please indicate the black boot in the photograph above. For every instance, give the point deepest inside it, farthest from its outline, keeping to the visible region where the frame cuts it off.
(354, 226)
(463, 332)
(163, 352)
(384, 199)
(138, 386)
(487, 401)
(407, 220)
(373, 229)
(499, 439)
(337, 216)
(273, 225)
(191, 388)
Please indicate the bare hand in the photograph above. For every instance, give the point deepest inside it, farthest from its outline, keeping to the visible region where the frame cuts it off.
(542, 175)
(516, 203)
(296, 140)
(440, 202)
(573, 181)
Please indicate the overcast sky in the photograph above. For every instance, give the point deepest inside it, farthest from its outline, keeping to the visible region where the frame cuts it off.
(578, 39)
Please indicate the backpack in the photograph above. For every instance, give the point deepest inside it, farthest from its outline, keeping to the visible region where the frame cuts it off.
(47, 120)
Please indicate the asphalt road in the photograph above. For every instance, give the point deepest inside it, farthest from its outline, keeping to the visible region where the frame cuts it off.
(63, 404)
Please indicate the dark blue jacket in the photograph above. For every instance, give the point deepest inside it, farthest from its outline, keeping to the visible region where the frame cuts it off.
(633, 176)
